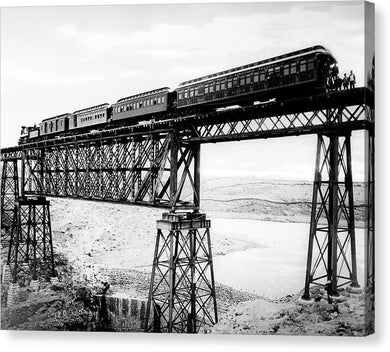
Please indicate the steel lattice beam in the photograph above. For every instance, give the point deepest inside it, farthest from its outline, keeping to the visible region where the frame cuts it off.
(133, 170)
(255, 124)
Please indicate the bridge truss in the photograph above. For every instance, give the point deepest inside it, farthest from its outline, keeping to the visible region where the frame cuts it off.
(158, 164)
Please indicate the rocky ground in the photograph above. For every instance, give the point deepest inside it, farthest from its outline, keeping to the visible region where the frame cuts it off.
(89, 236)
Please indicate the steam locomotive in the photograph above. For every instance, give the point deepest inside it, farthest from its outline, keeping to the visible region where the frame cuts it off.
(293, 74)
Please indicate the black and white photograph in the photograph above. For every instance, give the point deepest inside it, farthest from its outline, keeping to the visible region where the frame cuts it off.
(193, 168)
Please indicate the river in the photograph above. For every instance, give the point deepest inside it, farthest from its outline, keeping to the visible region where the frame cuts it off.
(275, 269)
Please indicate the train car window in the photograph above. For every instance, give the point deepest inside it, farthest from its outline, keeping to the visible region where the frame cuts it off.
(242, 80)
(191, 92)
(223, 85)
(218, 86)
(262, 76)
(180, 97)
(286, 70)
(230, 84)
(310, 65)
(159, 98)
(186, 94)
(235, 82)
(211, 88)
(256, 77)
(162, 100)
(206, 89)
(302, 66)
(56, 125)
(200, 90)
(155, 102)
(293, 68)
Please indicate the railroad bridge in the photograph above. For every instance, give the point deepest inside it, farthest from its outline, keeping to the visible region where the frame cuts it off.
(158, 164)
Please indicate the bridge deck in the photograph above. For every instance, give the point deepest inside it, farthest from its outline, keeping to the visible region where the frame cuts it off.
(321, 113)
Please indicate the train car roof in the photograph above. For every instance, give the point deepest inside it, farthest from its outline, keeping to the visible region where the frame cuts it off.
(92, 108)
(56, 117)
(296, 53)
(144, 94)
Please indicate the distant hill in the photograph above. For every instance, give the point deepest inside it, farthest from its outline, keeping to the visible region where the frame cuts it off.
(287, 201)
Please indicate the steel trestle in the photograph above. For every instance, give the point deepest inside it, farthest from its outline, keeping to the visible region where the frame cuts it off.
(182, 289)
(30, 253)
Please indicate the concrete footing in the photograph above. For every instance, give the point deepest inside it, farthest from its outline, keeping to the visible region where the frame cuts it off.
(354, 290)
(34, 285)
(54, 280)
(6, 275)
(12, 294)
(305, 301)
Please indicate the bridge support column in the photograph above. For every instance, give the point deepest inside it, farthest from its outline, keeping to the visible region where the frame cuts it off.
(9, 191)
(182, 289)
(30, 253)
(331, 260)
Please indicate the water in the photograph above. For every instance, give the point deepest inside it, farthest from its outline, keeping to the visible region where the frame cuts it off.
(277, 268)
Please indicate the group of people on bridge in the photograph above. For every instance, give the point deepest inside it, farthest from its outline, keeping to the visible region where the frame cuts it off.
(336, 83)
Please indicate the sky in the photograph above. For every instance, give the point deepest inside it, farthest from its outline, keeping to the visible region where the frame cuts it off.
(60, 59)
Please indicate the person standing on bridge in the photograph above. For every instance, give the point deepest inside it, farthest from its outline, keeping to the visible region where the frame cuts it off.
(335, 72)
(345, 82)
(352, 80)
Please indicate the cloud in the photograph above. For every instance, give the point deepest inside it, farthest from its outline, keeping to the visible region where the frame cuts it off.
(16, 72)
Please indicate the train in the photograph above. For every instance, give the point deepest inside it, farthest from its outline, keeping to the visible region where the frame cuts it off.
(297, 73)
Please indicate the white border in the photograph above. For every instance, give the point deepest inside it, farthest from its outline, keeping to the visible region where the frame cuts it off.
(109, 342)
